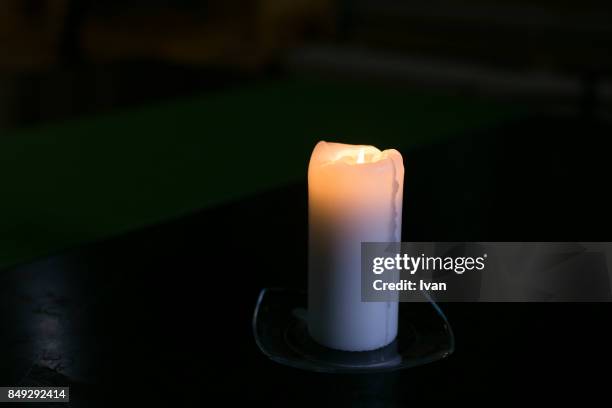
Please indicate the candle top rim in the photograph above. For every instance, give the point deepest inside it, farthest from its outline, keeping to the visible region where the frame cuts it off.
(329, 153)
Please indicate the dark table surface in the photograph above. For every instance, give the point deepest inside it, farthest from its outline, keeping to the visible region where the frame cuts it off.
(163, 314)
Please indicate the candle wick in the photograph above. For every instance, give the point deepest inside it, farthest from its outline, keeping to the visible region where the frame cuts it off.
(361, 156)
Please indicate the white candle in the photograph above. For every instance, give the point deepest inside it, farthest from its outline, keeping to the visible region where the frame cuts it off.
(354, 196)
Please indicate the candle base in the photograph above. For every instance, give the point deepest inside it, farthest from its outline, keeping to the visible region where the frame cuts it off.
(281, 333)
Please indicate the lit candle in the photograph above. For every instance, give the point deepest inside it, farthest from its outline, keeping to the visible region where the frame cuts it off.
(354, 196)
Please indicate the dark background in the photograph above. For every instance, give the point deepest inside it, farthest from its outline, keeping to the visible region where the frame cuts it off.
(116, 291)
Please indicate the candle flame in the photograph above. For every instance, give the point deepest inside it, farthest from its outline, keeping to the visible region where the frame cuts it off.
(361, 156)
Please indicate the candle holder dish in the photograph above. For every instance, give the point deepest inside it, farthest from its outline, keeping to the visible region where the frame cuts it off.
(280, 329)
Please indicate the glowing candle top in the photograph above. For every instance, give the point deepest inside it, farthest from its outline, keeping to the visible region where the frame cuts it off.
(326, 153)
(356, 180)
